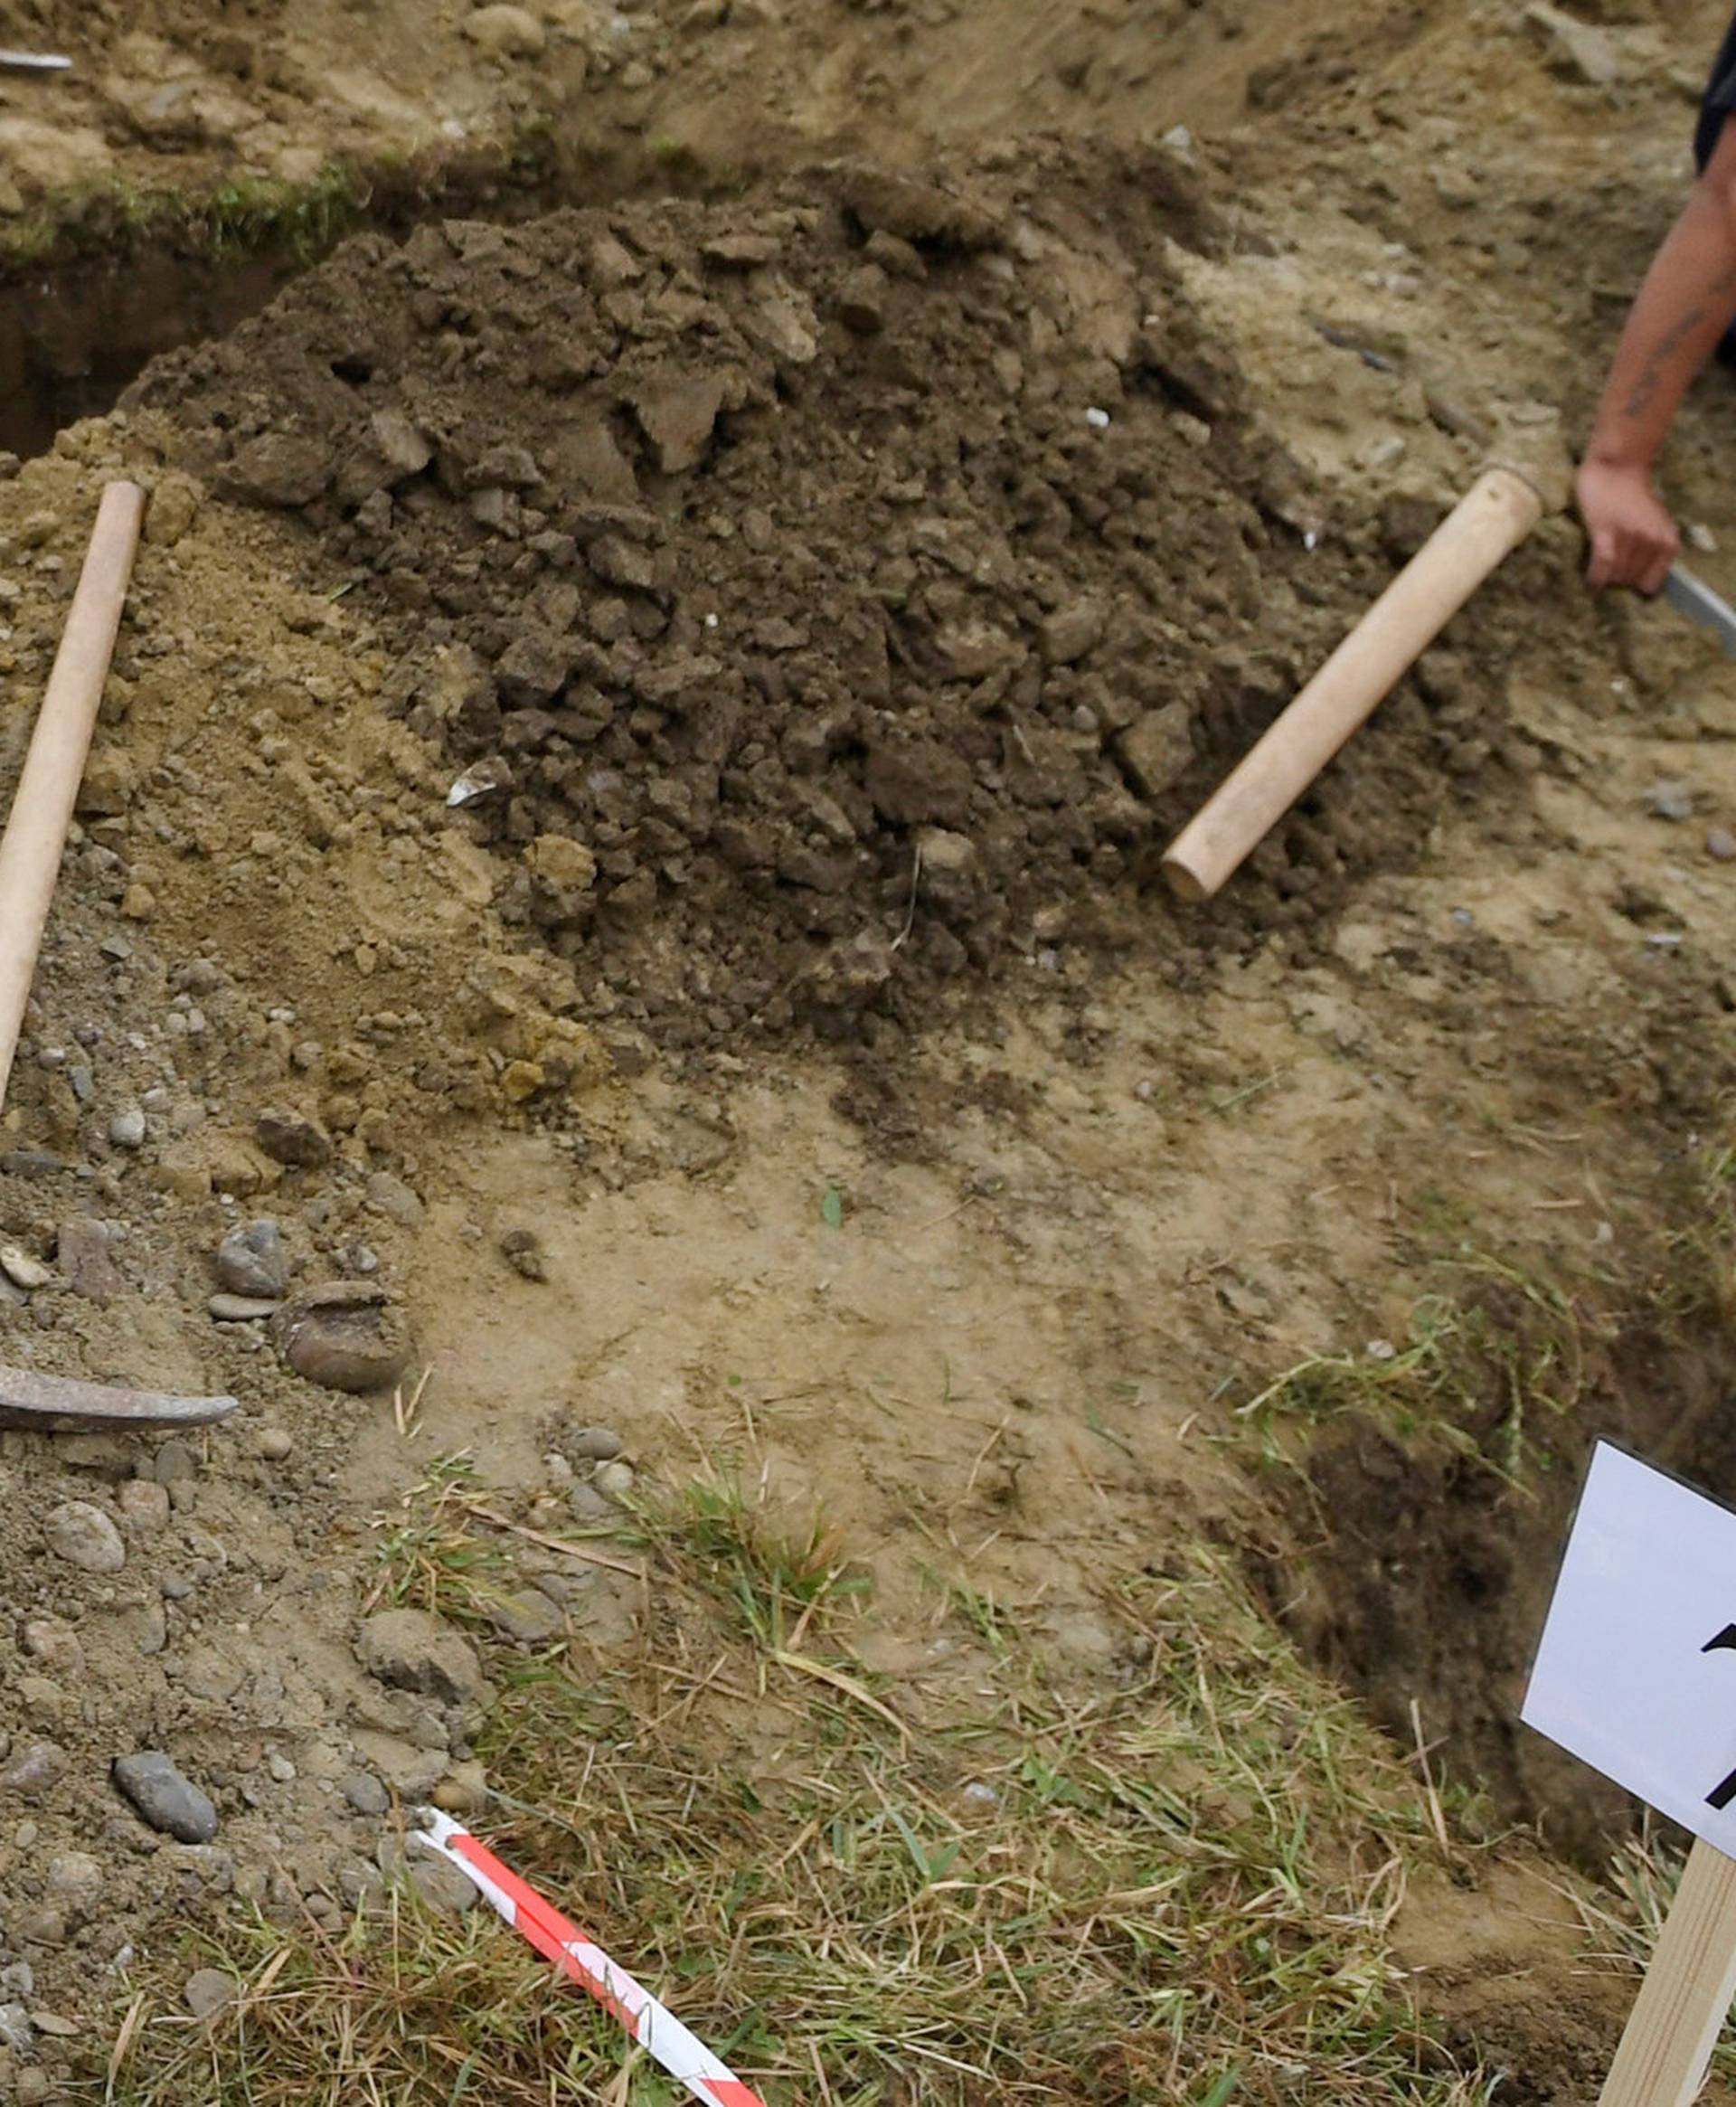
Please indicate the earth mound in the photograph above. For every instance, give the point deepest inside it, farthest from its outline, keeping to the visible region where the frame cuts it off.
(822, 596)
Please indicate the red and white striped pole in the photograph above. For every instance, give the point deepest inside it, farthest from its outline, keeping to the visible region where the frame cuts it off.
(656, 2030)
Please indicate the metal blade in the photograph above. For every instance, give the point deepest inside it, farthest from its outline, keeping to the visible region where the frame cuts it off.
(49, 1402)
(36, 61)
(1699, 603)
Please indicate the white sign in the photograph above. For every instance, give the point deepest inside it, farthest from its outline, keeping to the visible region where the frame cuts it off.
(1637, 1672)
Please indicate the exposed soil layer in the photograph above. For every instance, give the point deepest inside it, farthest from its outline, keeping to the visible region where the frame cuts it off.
(834, 595)
(71, 342)
(1429, 1570)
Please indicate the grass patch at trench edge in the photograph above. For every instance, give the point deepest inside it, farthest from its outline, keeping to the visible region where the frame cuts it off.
(1175, 1883)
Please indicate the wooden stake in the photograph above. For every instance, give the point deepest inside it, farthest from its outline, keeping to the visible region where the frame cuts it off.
(1481, 532)
(42, 807)
(1686, 1995)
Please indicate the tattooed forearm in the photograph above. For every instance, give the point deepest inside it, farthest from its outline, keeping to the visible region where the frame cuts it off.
(1643, 392)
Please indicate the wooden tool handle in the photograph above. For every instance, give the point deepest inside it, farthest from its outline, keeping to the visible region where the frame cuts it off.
(42, 807)
(1686, 1997)
(1483, 530)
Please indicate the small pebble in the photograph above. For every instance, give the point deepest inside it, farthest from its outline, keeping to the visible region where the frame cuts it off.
(241, 1308)
(164, 1798)
(84, 1536)
(75, 1876)
(145, 1506)
(367, 1795)
(463, 1791)
(22, 1270)
(208, 1991)
(148, 1628)
(587, 1505)
(126, 1128)
(175, 1461)
(251, 1261)
(34, 1769)
(527, 1615)
(87, 1262)
(274, 1444)
(282, 1771)
(393, 1198)
(523, 1251)
(54, 1643)
(1721, 844)
(1670, 801)
(613, 1480)
(594, 1444)
(345, 1335)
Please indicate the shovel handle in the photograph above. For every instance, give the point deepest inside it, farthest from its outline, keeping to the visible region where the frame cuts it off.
(41, 806)
(1479, 533)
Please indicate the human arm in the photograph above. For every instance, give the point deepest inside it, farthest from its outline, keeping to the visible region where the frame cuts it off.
(1684, 308)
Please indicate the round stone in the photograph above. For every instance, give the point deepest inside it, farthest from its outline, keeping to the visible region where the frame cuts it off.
(84, 1536)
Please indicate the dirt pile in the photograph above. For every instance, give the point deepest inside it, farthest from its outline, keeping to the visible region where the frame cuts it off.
(821, 597)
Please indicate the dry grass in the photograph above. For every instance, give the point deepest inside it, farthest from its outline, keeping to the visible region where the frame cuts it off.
(1624, 1917)
(1490, 1369)
(1175, 1883)
(1625, 1911)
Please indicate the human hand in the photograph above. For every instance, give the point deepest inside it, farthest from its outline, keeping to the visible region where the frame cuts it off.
(1633, 540)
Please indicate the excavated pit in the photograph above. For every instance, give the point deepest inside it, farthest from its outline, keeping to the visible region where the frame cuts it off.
(79, 327)
(1428, 1572)
(73, 337)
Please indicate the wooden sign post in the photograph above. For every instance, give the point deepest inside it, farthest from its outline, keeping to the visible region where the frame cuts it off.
(1631, 1676)
(1686, 1997)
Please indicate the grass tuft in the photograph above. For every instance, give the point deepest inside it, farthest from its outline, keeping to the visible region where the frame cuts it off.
(777, 1582)
(240, 218)
(1489, 1372)
(431, 1556)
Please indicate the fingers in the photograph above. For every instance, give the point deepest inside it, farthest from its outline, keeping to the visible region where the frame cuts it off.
(1654, 557)
(1633, 539)
(1625, 558)
(1656, 570)
(1601, 569)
